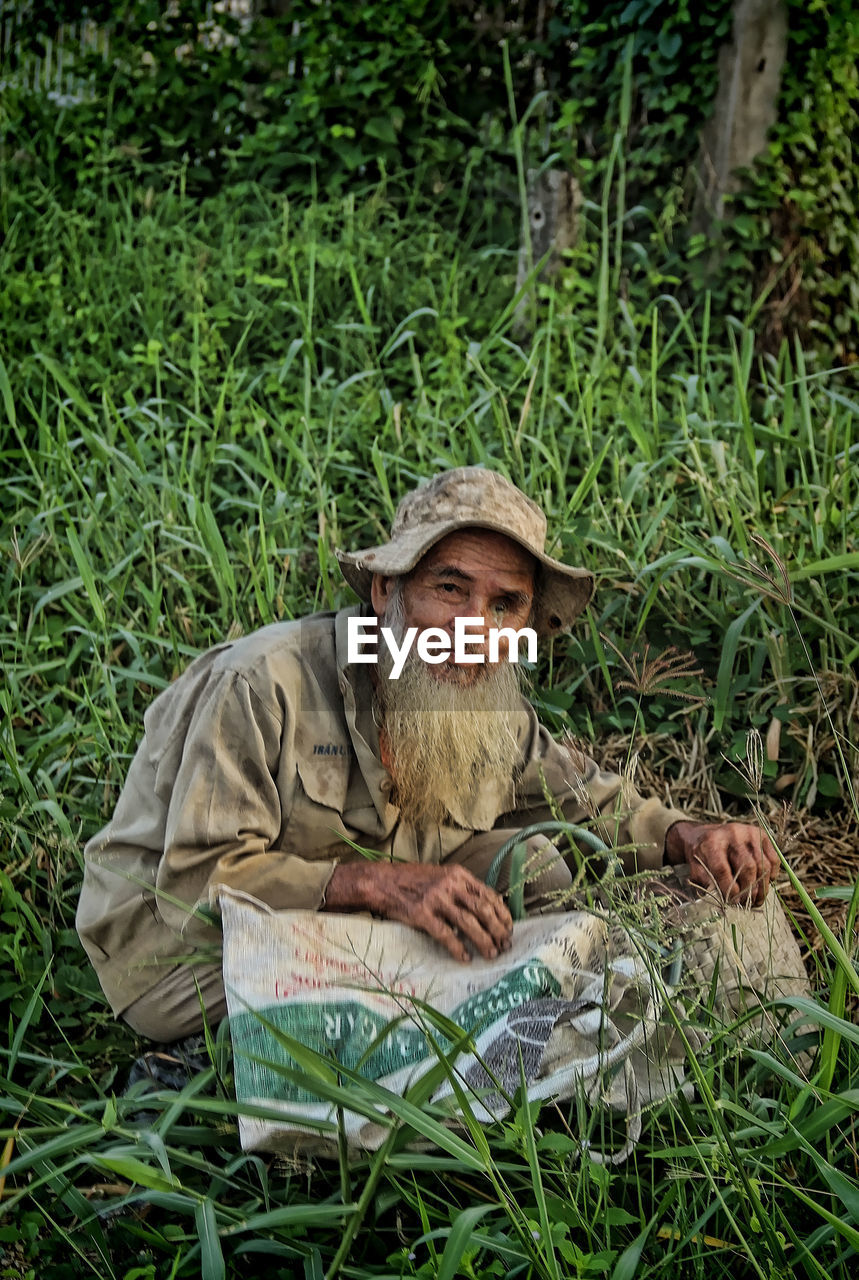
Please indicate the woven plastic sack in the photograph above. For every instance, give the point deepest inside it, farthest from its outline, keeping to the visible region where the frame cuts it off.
(351, 988)
(579, 1004)
(738, 962)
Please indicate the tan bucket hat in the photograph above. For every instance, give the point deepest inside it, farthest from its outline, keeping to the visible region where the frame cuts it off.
(467, 498)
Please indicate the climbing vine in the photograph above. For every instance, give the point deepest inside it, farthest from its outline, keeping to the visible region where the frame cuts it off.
(790, 240)
(330, 92)
(796, 219)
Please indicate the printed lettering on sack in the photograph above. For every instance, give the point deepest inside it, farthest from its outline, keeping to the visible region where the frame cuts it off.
(380, 1040)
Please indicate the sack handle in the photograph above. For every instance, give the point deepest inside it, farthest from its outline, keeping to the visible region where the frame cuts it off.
(516, 849)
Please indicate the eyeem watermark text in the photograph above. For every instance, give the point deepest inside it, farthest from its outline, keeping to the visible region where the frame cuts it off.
(434, 645)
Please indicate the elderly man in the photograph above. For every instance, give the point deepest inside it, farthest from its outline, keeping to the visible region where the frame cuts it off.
(277, 766)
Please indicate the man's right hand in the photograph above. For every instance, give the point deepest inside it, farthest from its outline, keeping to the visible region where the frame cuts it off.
(448, 903)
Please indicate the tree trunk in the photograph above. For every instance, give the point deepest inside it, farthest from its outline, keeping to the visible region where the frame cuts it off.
(554, 203)
(746, 103)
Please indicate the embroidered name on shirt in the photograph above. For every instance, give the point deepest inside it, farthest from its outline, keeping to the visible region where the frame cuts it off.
(330, 749)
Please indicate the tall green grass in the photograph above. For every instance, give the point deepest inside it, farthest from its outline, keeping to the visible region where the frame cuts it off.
(200, 402)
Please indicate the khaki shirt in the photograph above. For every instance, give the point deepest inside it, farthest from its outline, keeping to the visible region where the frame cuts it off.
(257, 765)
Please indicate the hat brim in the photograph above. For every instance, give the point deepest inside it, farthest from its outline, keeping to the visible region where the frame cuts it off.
(563, 591)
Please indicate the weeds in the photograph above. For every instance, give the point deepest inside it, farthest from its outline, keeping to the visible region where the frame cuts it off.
(201, 401)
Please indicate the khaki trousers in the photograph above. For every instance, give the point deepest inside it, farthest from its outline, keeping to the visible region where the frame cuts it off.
(172, 1009)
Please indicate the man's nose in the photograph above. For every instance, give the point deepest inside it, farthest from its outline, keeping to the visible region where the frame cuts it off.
(480, 612)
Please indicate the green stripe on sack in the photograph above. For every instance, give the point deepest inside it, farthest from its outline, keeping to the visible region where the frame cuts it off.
(361, 1039)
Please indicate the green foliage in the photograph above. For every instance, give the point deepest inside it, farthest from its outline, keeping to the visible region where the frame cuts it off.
(208, 406)
(788, 257)
(331, 89)
(793, 231)
(674, 49)
(199, 400)
(214, 402)
(329, 92)
(371, 88)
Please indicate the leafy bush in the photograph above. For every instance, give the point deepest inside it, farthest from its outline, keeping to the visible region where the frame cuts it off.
(324, 93)
(792, 233)
(674, 50)
(331, 87)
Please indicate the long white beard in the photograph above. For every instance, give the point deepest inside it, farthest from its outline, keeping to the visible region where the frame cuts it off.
(447, 739)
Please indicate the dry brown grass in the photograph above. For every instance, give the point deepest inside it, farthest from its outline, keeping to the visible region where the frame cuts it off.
(821, 848)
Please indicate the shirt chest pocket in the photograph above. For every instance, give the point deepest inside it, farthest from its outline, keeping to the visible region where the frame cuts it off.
(314, 825)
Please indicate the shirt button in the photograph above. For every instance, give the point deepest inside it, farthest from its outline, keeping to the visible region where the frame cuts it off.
(385, 786)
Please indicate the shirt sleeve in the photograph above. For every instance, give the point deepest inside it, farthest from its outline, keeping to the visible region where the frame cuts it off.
(227, 806)
(605, 802)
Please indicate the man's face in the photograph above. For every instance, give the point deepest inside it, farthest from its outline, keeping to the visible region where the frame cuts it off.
(452, 729)
(474, 573)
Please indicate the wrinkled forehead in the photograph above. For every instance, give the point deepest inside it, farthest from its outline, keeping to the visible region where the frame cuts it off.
(475, 551)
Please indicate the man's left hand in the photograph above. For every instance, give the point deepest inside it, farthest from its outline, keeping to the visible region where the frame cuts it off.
(735, 857)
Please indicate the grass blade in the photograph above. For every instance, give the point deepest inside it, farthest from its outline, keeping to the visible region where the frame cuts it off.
(212, 1265)
(460, 1237)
